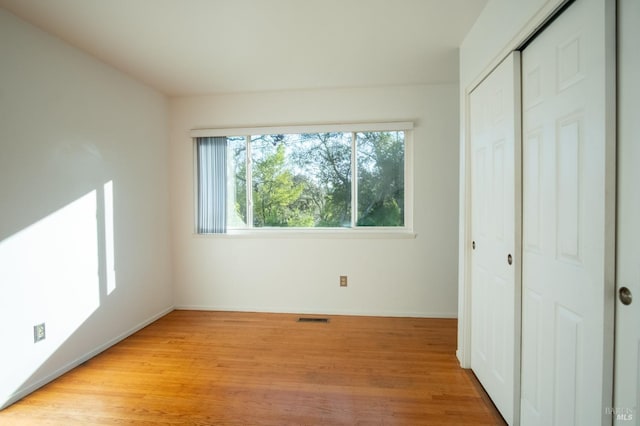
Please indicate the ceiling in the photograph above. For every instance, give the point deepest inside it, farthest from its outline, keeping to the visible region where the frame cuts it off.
(191, 47)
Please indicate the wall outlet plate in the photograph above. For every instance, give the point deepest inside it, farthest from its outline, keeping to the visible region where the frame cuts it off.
(343, 280)
(39, 333)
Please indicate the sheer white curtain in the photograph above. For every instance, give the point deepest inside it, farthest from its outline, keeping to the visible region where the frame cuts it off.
(212, 185)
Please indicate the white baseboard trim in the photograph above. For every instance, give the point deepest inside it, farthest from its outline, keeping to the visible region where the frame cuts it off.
(84, 358)
(447, 315)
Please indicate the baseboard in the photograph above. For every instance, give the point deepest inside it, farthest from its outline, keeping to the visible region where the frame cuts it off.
(84, 358)
(446, 315)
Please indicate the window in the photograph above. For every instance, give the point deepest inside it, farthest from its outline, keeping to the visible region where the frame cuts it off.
(279, 178)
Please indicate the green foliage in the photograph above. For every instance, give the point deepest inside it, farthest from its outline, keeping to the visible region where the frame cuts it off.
(380, 179)
(327, 156)
(382, 213)
(276, 195)
(306, 181)
(239, 151)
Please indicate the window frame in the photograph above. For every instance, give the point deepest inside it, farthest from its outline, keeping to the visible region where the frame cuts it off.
(405, 231)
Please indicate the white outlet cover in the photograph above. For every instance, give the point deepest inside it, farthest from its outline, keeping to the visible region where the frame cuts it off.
(39, 332)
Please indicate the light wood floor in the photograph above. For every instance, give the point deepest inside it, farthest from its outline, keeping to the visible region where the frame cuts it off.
(204, 368)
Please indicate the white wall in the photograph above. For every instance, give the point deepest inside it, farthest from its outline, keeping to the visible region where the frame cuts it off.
(410, 277)
(72, 129)
(501, 27)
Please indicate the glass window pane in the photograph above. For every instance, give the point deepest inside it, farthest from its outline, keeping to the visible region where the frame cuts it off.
(301, 180)
(380, 158)
(236, 182)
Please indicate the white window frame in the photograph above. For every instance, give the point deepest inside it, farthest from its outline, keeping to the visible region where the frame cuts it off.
(405, 231)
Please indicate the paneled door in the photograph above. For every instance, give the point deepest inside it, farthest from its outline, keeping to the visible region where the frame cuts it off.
(568, 219)
(495, 261)
(627, 371)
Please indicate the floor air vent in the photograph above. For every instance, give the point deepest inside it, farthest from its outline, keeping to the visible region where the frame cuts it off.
(308, 319)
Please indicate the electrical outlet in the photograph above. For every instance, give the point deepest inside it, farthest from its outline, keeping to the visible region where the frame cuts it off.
(39, 333)
(343, 280)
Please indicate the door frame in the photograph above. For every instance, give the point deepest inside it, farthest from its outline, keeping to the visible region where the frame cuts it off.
(624, 406)
(546, 13)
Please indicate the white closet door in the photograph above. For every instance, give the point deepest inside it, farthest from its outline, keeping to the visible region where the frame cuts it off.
(568, 205)
(627, 377)
(495, 294)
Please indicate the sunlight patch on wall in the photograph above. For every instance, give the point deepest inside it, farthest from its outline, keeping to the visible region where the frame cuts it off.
(49, 273)
(108, 240)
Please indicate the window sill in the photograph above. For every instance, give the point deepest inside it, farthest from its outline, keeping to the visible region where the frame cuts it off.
(348, 234)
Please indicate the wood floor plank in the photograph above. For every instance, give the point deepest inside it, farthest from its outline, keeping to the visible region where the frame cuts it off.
(203, 368)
